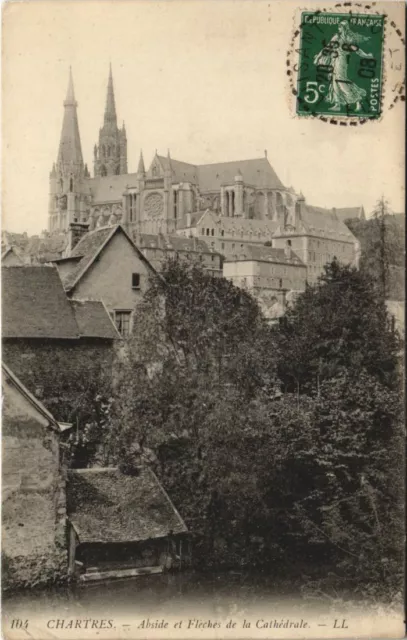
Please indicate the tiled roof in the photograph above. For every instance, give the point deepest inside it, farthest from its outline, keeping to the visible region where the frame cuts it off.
(41, 249)
(323, 222)
(35, 304)
(105, 505)
(236, 225)
(258, 173)
(93, 319)
(348, 213)
(87, 247)
(174, 243)
(262, 253)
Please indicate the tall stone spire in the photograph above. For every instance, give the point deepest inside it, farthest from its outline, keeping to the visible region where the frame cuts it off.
(110, 157)
(110, 109)
(70, 149)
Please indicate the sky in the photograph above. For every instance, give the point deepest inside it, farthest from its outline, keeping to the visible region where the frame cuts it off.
(205, 79)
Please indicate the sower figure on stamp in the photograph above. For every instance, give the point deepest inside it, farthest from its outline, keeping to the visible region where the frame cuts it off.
(342, 90)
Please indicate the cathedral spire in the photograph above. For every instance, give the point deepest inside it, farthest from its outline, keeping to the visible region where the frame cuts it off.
(70, 149)
(110, 109)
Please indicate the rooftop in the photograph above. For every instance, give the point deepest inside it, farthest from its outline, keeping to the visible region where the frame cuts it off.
(35, 304)
(94, 320)
(104, 505)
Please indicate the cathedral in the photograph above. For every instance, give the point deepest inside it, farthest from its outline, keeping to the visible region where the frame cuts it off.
(160, 198)
(231, 206)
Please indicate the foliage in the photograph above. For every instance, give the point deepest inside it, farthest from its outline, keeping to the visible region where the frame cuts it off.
(338, 325)
(259, 476)
(382, 248)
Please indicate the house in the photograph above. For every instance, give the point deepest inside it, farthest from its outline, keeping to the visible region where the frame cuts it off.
(121, 525)
(33, 489)
(10, 258)
(49, 339)
(105, 264)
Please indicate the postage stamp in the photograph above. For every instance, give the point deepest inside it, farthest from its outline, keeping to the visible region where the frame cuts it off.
(340, 65)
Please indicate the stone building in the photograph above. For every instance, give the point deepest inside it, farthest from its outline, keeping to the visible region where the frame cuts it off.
(268, 274)
(226, 205)
(33, 489)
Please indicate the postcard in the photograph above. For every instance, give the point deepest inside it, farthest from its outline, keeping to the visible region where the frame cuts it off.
(203, 319)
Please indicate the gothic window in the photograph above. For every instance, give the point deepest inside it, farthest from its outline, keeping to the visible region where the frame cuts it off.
(133, 200)
(175, 204)
(154, 171)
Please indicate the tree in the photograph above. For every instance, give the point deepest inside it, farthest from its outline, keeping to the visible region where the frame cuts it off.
(340, 324)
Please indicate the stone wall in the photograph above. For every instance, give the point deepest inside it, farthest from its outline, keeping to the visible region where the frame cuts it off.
(51, 367)
(34, 503)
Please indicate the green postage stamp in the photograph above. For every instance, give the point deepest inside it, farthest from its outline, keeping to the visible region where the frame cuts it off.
(340, 65)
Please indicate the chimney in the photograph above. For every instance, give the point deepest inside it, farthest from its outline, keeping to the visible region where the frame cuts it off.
(75, 232)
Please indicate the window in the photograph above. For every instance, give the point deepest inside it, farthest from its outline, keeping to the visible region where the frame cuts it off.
(175, 204)
(281, 283)
(222, 233)
(207, 232)
(135, 281)
(213, 258)
(122, 319)
(133, 200)
(213, 232)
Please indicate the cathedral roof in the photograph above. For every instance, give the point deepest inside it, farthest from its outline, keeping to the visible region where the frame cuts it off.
(181, 171)
(258, 173)
(111, 188)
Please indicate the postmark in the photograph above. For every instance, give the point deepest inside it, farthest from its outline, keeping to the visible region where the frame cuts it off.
(346, 63)
(340, 64)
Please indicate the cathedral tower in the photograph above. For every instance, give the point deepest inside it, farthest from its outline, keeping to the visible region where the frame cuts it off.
(110, 156)
(67, 202)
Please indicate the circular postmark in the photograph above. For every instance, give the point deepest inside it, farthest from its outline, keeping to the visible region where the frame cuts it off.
(345, 65)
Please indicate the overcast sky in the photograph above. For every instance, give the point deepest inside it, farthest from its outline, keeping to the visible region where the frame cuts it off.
(205, 79)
